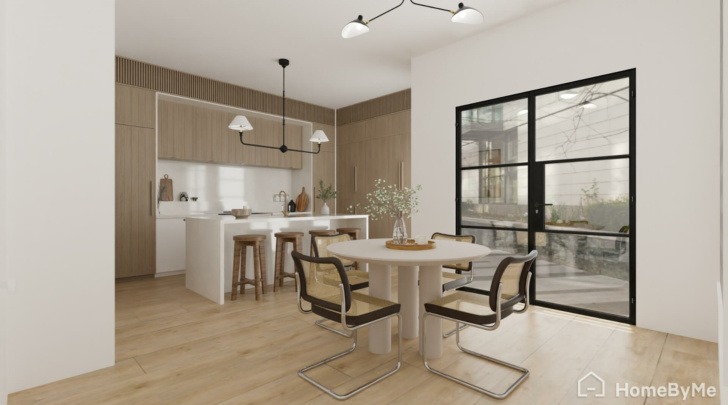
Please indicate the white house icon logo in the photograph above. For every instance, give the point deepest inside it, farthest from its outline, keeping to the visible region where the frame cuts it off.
(590, 384)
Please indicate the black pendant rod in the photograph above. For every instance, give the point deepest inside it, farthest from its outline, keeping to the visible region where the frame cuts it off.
(436, 8)
(397, 6)
(284, 63)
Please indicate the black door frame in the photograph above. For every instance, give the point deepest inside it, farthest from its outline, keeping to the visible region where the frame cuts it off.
(536, 182)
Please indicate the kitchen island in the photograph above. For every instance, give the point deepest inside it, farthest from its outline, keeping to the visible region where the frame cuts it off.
(209, 245)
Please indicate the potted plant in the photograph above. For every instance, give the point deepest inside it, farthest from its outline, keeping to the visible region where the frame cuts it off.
(325, 193)
(387, 200)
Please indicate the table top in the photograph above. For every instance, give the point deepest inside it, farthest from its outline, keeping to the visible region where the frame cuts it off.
(374, 251)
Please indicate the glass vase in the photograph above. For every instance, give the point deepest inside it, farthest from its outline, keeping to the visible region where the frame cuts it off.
(399, 233)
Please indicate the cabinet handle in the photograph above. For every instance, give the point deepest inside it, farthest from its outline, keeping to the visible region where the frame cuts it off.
(356, 183)
(401, 175)
(151, 198)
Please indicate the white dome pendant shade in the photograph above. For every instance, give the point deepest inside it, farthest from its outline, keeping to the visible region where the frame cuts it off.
(467, 15)
(354, 28)
(319, 137)
(240, 124)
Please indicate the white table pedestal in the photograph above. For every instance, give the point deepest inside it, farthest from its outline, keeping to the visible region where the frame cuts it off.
(380, 286)
(407, 292)
(430, 290)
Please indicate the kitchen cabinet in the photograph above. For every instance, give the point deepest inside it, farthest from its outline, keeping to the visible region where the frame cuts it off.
(170, 244)
(135, 106)
(135, 201)
(194, 133)
(367, 150)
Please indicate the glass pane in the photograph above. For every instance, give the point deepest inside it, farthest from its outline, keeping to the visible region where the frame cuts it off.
(591, 196)
(583, 271)
(495, 134)
(502, 244)
(495, 197)
(583, 122)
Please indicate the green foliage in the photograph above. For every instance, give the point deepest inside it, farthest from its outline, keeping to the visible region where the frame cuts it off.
(325, 193)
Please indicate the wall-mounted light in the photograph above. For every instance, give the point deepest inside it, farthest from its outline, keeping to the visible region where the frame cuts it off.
(241, 124)
(463, 15)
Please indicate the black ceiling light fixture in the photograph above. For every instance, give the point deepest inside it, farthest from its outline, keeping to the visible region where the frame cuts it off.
(241, 124)
(463, 15)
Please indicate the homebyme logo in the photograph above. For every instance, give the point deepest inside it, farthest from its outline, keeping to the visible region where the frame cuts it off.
(591, 385)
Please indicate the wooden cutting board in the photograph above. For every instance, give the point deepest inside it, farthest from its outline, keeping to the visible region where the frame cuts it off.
(165, 189)
(302, 201)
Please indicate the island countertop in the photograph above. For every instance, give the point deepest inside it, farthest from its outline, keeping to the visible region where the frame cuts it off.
(209, 247)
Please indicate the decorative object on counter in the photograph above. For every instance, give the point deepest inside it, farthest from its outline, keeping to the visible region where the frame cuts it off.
(241, 124)
(387, 200)
(194, 198)
(302, 200)
(183, 196)
(165, 189)
(463, 15)
(324, 194)
(241, 213)
(410, 244)
(291, 206)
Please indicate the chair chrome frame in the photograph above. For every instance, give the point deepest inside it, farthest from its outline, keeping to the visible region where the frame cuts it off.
(453, 285)
(523, 372)
(348, 332)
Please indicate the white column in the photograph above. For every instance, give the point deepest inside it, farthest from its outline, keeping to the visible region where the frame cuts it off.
(380, 286)
(407, 291)
(430, 290)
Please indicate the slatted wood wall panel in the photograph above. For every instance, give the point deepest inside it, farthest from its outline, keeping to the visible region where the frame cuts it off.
(391, 103)
(140, 74)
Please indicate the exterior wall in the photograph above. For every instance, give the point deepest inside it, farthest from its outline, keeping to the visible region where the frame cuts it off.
(58, 189)
(677, 228)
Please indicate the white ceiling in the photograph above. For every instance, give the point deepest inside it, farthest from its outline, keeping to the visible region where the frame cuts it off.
(240, 41)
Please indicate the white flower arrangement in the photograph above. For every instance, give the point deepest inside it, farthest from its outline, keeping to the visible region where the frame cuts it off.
(389, 201)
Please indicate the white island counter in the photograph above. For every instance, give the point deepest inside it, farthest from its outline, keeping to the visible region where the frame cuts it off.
(209, 248)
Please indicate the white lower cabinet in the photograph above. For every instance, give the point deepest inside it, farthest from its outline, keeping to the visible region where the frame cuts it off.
(170, 245)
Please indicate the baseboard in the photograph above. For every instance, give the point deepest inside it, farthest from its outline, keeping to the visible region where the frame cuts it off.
(169, 273)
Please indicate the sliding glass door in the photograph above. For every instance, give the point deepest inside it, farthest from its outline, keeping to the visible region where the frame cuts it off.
(553, 170)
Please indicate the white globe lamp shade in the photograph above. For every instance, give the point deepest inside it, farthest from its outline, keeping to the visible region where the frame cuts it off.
(354, 28)
(467, 15)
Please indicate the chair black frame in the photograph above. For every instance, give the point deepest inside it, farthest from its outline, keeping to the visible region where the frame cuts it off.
(501, 309)
(338, 313)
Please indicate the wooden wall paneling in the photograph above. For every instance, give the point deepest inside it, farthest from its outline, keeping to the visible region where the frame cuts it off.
(144, 75)
(203, 136)
(178, 130)
(375, 107)
(165, 142)
(189, 116)
(135, 106)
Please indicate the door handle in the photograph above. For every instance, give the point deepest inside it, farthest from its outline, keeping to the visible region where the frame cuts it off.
(356, 184)
(151, 198)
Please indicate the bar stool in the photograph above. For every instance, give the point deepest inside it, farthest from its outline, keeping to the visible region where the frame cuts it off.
(242, 242)
(295, 239)
(352, 232)
(354, 235)
(319, 232)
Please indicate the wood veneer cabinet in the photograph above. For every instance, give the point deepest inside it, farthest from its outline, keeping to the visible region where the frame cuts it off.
(376, 148)
(135, 201)
(135, 106)
(193, 133)
(135, 176)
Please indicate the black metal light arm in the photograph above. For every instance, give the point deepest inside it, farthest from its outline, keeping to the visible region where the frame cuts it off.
(395, 7)
(283, 148)
(436, 8)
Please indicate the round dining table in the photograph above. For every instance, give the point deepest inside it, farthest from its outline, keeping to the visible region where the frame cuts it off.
(423, 267)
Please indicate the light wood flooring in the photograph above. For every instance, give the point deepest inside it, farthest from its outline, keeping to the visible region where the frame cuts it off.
(175, 347)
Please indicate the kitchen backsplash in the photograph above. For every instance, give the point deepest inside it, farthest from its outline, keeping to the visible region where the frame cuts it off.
(221, 188)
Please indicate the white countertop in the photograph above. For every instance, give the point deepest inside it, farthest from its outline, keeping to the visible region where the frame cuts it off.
(259, 217)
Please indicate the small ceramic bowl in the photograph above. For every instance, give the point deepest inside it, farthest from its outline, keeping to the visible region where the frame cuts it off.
(240, 213)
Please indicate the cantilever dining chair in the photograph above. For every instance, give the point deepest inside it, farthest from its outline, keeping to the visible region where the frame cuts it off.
(353, 310)
(463, 274)
(509, 288)
(358, 279)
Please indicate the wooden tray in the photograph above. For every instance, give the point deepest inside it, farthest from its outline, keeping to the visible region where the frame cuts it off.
(411, 245)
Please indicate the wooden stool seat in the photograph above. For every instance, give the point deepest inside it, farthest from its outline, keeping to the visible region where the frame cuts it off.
(319, 232)
(240, 279)
(352, 232)
(282, 238)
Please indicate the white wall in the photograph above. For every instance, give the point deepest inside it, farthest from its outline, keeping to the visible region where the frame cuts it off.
(3, 211)
(723, 343)
(59, 188)
(674, 47)
(221, 187)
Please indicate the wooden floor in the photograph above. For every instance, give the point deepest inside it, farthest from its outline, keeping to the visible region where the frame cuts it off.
(175, 347)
